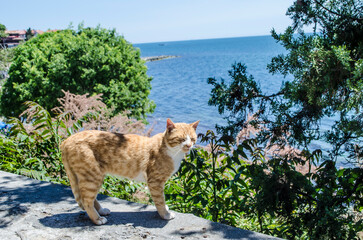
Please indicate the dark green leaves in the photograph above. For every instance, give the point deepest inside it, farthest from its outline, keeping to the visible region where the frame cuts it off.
(89, 60)
(210, 183)
(236, 98)
(326, 71)
(269, 195)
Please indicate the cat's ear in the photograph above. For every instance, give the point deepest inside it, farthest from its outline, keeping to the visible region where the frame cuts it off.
(195, 124)
(169, 125)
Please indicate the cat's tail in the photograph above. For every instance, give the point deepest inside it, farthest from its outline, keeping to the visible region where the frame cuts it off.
(73, 180)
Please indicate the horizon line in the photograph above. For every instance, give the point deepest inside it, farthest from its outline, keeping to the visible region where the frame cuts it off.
(200, 39)
(213, 38)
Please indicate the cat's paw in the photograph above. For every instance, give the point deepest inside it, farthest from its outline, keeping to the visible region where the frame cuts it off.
(100, 221)
(168, 216)
(104, 211)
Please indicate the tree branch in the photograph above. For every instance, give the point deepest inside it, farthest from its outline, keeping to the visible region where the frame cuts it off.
(271, 96)
(335, 13)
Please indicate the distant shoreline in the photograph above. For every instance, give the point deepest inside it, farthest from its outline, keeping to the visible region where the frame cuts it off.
(157, 58)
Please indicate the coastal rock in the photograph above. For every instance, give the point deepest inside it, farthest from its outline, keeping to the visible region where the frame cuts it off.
(157, 58)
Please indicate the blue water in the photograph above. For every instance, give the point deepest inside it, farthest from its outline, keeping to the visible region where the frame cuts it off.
(179, 85)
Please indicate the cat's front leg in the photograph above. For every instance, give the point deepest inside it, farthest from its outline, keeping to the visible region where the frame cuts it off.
(170, 215)
(157, 193)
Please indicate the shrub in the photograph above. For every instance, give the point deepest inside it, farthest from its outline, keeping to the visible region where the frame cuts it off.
(34, 151)
(89, 60)
(77, 106)
(209, 183)
(32, 145)
(235, 184)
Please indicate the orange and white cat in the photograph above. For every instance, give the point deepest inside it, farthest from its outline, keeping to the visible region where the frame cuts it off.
(89, 155)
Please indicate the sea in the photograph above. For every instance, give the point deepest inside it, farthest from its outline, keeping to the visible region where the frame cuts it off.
(180, 89)
(179, 86)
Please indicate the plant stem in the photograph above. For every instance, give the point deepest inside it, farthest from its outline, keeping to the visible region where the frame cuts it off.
(214, 158)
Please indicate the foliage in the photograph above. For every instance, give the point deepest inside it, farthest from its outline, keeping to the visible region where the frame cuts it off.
(120, 188)
(317, 205)
(238, 186)
(209, 183)
(29, 34)
(6, 56)
(2, 31)
(31, 146)
(239, 97)
(87, 60)
(326, 67)
(80, 105)
(36, 153)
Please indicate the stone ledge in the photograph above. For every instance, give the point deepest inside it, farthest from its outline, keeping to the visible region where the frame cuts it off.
(31, 209)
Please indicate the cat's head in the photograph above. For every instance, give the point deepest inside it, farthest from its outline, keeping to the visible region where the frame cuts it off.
(180, 136)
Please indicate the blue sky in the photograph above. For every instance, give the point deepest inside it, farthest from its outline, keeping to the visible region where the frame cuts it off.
(152, 20)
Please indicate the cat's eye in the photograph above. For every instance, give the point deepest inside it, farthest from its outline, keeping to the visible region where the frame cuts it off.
(193, 139)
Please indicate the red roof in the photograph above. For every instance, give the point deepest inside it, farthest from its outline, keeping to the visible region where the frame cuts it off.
(20, 32)
(23, 32)
(37, 31)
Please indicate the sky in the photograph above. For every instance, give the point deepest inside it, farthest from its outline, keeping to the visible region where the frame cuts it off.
(141, 21)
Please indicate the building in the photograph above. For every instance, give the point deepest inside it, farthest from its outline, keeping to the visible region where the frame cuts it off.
(15, 37)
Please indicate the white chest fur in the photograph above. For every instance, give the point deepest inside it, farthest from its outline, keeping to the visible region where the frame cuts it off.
(177, 155)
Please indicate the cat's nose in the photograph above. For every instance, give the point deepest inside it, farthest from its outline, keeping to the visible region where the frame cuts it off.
(189, 145)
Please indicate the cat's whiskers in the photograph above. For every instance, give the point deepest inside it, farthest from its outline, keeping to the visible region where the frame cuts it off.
(177, 152)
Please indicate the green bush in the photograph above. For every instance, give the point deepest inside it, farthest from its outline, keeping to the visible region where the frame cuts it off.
(34, 153)
(89, 60)
(209, 183)
(33, 149)
(237, 185)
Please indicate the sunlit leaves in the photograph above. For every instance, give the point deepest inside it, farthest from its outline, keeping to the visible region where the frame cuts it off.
(87, 60)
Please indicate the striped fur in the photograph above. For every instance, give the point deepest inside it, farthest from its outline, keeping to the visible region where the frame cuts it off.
(89, 155)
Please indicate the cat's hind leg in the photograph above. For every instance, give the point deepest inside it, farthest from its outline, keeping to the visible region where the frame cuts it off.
(100, 210)
(73, 180)
(90, 181)
(88, 195)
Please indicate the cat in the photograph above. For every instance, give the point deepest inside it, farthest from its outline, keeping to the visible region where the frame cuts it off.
(89, 155)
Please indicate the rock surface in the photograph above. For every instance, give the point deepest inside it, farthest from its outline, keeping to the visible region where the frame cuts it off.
(157, 58)
(36, 210)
